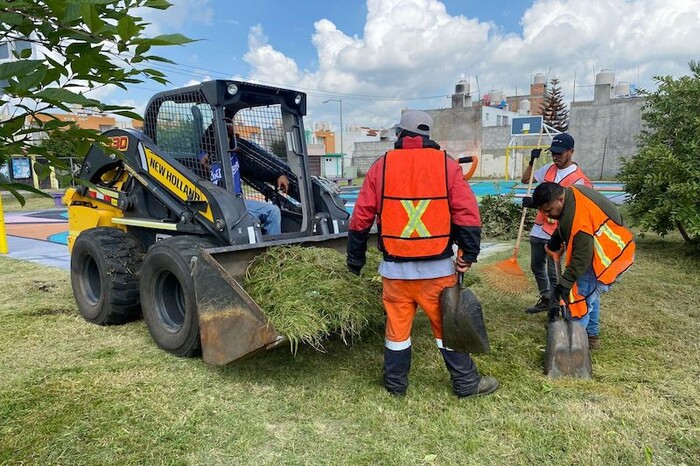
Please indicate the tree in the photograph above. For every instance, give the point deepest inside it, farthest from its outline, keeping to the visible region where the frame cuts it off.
(75, 46)
(553, 109)
(663, 179)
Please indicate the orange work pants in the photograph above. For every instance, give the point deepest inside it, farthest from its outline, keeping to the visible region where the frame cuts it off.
(401, 298)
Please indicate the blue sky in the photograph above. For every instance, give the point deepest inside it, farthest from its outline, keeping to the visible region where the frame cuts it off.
(382, 56)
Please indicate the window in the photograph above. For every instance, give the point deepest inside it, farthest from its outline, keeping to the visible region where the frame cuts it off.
(4, 51)
(498, 120)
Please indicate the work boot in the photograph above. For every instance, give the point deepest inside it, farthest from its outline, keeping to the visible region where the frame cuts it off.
(487, 385)
(553, 314)
(593, 342)
(397, 364)
(541, 306)
(463, 372)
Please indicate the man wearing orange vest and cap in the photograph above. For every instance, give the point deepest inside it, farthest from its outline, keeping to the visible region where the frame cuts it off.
(596, 244)
(422, 205)
(567, 173)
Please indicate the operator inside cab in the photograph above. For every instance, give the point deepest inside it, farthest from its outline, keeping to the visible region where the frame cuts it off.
(269, 214)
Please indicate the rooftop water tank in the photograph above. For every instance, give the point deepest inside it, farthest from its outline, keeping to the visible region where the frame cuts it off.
(622, 89)
(524, 107)
(539, 78)
(462, 87)
(605, 77)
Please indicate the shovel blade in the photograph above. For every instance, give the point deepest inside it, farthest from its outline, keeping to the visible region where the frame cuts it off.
(463, 328)
(567, 353)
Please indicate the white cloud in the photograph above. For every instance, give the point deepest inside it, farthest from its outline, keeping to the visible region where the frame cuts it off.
(180, 13)
(269, 65)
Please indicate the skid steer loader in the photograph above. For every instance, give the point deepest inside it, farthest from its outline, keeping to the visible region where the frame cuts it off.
(151, 234)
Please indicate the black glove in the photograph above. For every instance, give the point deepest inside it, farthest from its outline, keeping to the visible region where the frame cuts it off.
(555, 242)
(562, 292)
(527, 202)
(534, 154)
(355, 269)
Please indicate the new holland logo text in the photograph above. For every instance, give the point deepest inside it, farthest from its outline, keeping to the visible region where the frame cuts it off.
(172, 178)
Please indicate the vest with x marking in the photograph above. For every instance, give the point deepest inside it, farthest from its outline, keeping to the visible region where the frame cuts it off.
(414, 218)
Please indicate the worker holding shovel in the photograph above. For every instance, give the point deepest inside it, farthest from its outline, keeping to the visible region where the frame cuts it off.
(597, 248)
(422, 205)
(564, 171)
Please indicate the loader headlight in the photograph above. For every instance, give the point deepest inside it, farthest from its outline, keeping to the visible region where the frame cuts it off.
(232, 89)
(298, 99)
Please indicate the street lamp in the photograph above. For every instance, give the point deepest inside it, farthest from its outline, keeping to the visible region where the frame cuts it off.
(340, 101)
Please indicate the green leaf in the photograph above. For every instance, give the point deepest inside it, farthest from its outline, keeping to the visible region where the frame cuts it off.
(19, 68)
(129, 114)
(92, 18)
(57, 95)
(127, 28)
(157, 4)
(9, 127)
(166, 39)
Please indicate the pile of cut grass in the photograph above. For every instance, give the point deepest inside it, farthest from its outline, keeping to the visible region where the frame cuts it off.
(308, 294)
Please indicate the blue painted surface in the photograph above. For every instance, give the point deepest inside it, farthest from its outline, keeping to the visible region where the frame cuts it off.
(60, 238)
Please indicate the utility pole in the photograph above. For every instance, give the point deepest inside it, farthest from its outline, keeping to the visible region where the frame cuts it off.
(340, 102)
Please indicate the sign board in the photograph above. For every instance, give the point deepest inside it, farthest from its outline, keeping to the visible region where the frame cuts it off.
(20, 168)
(526, 125)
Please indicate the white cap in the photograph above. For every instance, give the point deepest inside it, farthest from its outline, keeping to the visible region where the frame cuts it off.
(416, 121)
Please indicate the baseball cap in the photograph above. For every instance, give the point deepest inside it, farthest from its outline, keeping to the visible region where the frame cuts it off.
(416, 121)
(561, 143)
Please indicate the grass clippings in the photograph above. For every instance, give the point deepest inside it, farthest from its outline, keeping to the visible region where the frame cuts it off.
(308, 294)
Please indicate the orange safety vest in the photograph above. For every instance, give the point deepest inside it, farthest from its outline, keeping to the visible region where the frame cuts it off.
(414, 217)
(549, 224)
(613, 247)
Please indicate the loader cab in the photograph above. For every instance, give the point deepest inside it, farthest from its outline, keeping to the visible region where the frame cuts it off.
(190, 124)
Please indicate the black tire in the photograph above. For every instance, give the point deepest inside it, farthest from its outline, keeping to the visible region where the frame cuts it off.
(104, 271)
(167, 294)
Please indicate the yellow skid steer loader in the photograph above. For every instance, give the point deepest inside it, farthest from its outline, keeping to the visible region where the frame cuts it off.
(151, 233)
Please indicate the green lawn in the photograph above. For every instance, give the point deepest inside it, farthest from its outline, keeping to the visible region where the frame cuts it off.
(74, 393)
(31, 202)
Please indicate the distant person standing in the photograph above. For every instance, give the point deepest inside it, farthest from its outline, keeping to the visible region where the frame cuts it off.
(566, 173)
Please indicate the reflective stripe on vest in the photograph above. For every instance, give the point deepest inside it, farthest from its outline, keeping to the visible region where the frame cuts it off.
(549, 224)
(613, 247)
(414, 220)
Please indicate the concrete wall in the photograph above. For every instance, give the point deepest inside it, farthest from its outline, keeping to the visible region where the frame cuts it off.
(457, 124)
(367, 152)
(605, 132)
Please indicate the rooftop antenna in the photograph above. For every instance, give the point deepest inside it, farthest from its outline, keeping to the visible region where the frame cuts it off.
(478, 90)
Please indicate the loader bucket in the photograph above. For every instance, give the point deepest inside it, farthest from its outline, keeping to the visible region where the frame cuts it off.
(231, 323)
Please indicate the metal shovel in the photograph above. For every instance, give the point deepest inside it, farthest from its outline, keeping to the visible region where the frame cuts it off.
(567, 351)
(463, 328)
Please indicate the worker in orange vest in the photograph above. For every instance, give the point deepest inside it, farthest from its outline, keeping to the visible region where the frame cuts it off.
(422, 206)
(597, 247)
(564, 171)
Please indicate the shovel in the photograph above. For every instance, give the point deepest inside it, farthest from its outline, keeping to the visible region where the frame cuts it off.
(463, 328)
(567, 351)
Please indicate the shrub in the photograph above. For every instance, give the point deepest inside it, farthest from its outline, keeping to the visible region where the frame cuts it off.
(500, 217)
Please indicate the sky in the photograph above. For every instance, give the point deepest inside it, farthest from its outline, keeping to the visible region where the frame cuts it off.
(382, 56)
